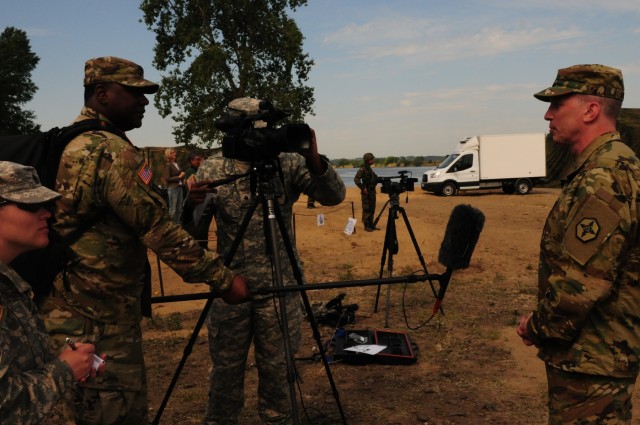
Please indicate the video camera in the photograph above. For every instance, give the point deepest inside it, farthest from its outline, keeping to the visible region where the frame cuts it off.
(391, 187)
(245, 142)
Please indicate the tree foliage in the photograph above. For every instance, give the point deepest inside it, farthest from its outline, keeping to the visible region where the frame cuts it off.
(17, 61)
(217, 50)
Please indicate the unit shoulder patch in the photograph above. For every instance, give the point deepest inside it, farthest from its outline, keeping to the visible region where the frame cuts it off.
(589, 229)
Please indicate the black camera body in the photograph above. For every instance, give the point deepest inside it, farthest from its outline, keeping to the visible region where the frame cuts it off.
(392, 187)
(245, 142)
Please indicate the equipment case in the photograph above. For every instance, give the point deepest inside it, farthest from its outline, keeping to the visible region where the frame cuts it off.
(399, 348)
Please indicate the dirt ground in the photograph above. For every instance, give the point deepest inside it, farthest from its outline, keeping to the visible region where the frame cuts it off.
(471, 367)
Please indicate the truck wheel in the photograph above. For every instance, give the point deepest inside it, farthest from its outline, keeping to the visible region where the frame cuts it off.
(508, 188)
(448, 189)
(523, 186)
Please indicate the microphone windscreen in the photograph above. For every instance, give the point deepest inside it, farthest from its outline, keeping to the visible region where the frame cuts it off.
(461, 236)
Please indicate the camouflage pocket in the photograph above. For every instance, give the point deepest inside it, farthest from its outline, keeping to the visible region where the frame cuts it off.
(118, 377)
(64, 325)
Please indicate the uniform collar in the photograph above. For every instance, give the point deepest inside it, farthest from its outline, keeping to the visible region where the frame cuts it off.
(595, 145)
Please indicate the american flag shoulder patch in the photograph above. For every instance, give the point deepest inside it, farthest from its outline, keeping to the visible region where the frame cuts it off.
(145, 173)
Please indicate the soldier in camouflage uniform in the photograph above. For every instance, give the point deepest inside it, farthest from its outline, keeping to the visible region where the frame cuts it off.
(106, 191)
(585, 323)
(366, 179)
(233, 328)
(32, 379)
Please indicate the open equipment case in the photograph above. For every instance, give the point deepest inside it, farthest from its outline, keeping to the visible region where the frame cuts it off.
(399, 348)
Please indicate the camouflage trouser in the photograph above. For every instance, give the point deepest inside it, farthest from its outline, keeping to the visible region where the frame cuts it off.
(231, 330)
(368, 208)
(579, 399)
(119, 395)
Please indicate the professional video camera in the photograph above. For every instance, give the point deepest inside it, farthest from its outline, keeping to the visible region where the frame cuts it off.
(391, 187)
(245, 142)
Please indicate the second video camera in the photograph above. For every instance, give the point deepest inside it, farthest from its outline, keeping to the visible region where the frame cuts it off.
(245, 142)
(405, 184)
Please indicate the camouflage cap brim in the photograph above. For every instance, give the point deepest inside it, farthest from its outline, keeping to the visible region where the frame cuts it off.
(547, 94)
(144, 86)
(37, 195)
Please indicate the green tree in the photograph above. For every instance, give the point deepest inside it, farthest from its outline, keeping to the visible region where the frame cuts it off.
(217, 50)
(391, 160)
(417, 161)
(17, 61)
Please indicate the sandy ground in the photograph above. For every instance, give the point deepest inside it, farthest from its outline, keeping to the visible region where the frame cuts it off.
(471, 367)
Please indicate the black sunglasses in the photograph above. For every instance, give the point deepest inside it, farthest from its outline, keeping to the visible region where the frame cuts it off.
(32, 208)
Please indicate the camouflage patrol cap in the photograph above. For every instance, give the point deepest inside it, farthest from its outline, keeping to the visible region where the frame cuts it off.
(248, 105)
(368, 156)
(110, 69)
(595, 80)
(20, 183)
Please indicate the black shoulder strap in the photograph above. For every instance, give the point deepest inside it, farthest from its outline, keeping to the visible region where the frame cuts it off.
(59, 138)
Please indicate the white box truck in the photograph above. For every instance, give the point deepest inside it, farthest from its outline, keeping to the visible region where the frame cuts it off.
(512, 162)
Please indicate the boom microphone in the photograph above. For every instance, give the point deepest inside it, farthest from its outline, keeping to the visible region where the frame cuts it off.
(460, 238)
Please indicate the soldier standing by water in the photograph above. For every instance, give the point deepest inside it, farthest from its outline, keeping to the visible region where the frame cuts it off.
(366, 179)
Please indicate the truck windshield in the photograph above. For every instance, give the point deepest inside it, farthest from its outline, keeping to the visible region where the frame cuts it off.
(448, 160)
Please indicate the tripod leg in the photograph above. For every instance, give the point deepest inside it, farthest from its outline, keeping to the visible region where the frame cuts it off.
(417, 248)
(413, 240)
(393, 249)
(187, 351)
(196, 330)
(297, 274)
(284, 322)
(375, 222)
(383, 261)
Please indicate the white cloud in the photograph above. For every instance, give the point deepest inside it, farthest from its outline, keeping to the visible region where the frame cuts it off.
(426, 40)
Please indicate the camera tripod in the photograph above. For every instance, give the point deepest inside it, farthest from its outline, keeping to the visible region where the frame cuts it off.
(391, 247)
(262, 177)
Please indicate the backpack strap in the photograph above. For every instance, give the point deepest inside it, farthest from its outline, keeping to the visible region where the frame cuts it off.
(59, 138)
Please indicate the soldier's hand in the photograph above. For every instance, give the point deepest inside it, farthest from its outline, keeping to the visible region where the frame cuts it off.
(238, 292)
(522, 330)
(80, 361)
(312, 157)
(198, 191)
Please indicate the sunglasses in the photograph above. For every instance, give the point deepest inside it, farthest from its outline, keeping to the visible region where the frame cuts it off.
(32, 208)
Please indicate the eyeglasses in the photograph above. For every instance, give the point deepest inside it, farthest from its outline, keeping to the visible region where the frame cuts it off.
(32, 208)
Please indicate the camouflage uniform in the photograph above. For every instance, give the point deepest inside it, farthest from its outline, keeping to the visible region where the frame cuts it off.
(32, 379)
(232, 328)
(104, 180)
(589, 297)
(367, 178)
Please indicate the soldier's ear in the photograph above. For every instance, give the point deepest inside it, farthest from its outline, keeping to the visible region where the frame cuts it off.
(101, 93)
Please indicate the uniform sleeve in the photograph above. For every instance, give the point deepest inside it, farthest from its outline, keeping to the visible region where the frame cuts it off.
(358, 178)
(27, 396)
(583, 274)
(327, 189)
(137, 205)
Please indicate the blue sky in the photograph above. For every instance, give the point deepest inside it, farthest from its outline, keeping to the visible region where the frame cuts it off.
(391, 77)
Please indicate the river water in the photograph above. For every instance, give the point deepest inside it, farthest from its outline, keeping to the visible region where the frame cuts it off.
(348, 174)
